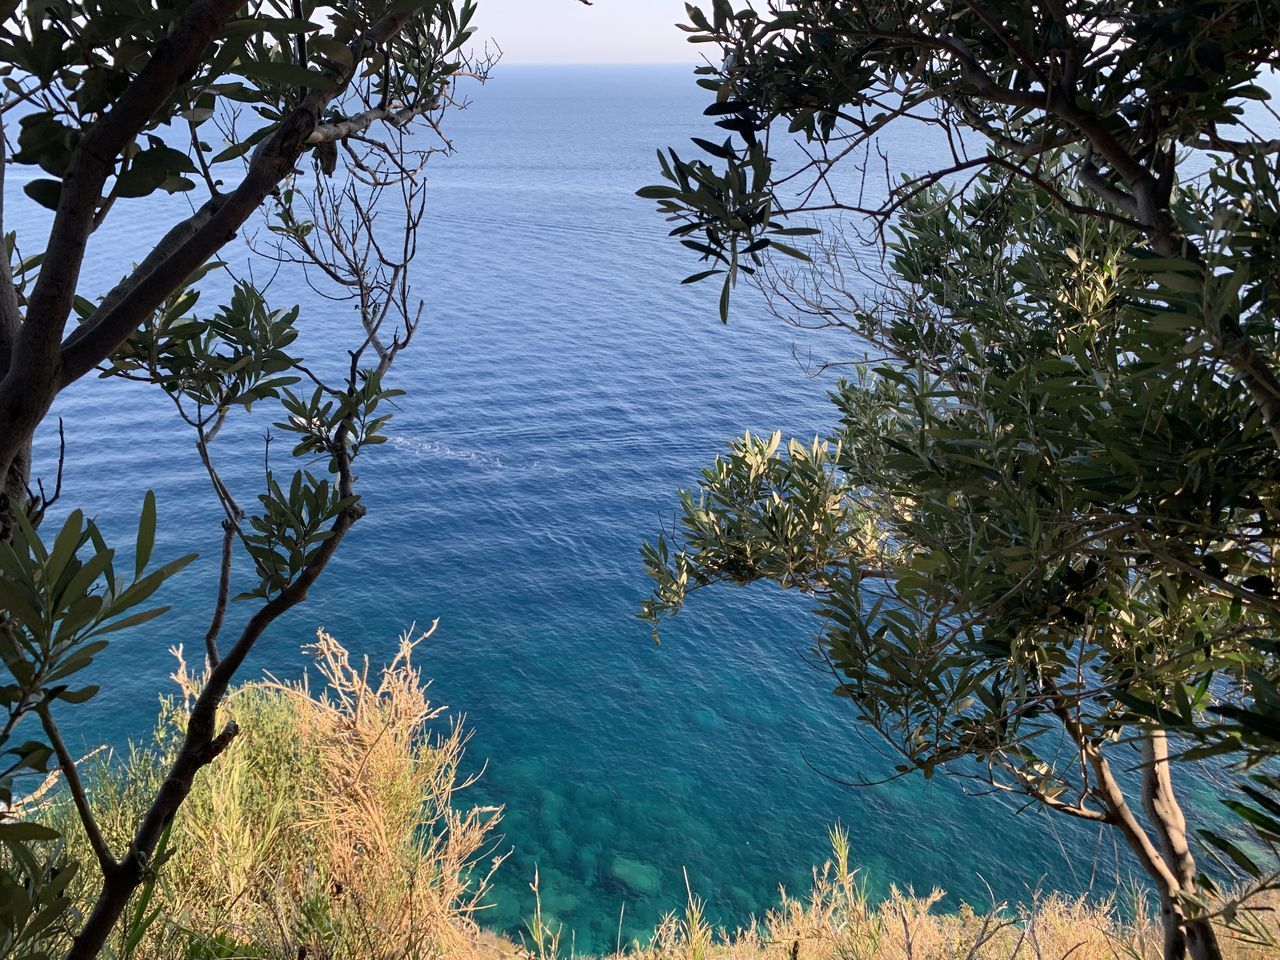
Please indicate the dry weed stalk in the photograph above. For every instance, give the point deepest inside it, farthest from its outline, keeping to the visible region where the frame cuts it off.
(329, 831)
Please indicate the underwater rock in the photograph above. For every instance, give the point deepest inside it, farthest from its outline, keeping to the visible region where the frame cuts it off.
(551, 806)
(561, 845)
(561, 902)
(588, 864)
(639, 877)
(502, 913)
(598, 828)
(707, 719)
(743, 901)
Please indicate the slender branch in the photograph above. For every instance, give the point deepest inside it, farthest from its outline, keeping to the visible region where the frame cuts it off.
(79, 796)
(39, 505)
(1238, 148)
(10, 313)
(224, 590)
(1092, 178)
(993, 24)
(1079, 811)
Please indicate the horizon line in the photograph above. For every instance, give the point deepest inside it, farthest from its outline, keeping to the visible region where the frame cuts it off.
(596, 63)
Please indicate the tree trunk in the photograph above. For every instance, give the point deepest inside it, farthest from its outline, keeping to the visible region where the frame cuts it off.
(1182, 936)
(1202, 941)
(13, 494)
(17, 473)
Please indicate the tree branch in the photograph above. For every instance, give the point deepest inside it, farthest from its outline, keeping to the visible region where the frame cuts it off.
(10, 313)
(1239, 148)
(1079, 811)
(1109, 791)
(224, 590)
(106, 860)
(340, 130)
(213, 225)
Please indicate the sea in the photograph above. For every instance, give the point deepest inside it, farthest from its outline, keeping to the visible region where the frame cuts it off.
(563, 387)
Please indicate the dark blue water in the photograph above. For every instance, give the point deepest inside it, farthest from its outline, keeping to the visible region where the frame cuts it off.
(563, 388)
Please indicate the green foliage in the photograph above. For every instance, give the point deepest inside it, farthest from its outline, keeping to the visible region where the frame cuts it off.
(80, 56)
(238, 356)
(1093, 491)
(34, 894)
(1044, 525)
(61, 601)
(110, 101)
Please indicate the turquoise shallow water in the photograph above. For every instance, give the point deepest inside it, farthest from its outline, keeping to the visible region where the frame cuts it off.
(565, 385)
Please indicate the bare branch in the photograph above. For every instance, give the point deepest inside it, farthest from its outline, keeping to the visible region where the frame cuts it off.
(224, 590)
(79, 797)
(330, 132)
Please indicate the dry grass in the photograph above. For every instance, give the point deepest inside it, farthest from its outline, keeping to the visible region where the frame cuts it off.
(837, 921)
(331, 830)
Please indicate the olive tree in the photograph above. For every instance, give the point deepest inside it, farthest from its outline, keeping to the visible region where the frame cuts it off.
(1041, 533)
(1144, 120)
(302, 125)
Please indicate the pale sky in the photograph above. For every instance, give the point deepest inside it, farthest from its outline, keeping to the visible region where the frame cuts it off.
(566, 31)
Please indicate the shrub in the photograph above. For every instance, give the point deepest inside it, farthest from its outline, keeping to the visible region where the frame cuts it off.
(330, 828)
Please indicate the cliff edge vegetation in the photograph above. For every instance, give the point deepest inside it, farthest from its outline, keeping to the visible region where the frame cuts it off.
(339, 828)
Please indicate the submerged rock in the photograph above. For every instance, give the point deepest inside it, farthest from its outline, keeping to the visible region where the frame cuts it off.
(707, 719)
(639, 877)
(588, 864)
(561, 845)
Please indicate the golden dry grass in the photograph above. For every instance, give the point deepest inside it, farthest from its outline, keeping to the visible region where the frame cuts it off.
(837, 921)
(331, 829)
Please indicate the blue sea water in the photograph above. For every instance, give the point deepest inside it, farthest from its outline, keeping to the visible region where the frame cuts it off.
(562, 389)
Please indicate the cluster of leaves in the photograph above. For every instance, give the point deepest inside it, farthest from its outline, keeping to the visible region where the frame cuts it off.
(72, 59)
(331, 422)
(237, 356)
(759, 514)
(34, 893)
(61, 601)
(294, 524)
(728, 217)
(1046, 515)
